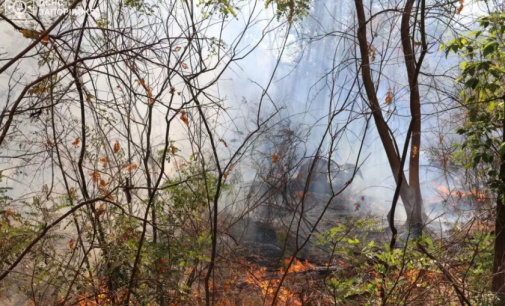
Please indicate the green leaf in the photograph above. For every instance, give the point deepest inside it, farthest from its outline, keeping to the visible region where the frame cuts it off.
(501, 151)
(489, 48)
(472, 83)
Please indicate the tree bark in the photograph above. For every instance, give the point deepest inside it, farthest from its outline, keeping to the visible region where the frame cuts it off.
(410, 195)
(498, 284)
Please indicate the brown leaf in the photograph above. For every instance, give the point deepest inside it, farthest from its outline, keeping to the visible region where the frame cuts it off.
(29, 33)
(100, 211)
(173, 149)
(184, 118)
(459, 194)
(95, 176)
(415, 150)
(177, 49)
(9, 213)
(72, 192)
(104, 161)
(389, 97)
(49, 142)
(357, 206)
(184, 66)
(76, 142)
(103, 183)
(45, 39)
(224, 142)
(275, 158)
(116, 147)
(71, 244)
(460, 8)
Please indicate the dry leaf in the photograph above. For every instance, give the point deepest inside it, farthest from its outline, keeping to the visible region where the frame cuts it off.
(224, 142)
(184, 66)
(460, 8)
(49, 143)
(9, 213)
(100, 211)
(76, 142)
(71, 244)
(95, 176)
(415, 150)
(226, 175)
(72, 192)
(357, 206)
(129, 167)
(104, 161)
(275, 158)
(116, 147)
(173, 149)
(45, 39)
(184, 118)
(389, 97)
(177, 49)
(459, 194)
(29, 33)
(103, 183)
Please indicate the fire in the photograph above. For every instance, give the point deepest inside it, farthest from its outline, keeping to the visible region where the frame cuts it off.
(269, 285)
(458, 194)
(299, 266)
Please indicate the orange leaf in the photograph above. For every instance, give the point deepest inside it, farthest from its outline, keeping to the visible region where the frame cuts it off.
(226, 175)
(76, 142)
(116, 147)
(224, 142)
(389, 97)
(29, 33)
(415, 150)
(71, 244)
(459, 194)
(104, 161)
(103, 183)
(184, 66)
(100, 211)
(9, 213)
(275, 158)
(95, 176)
(184, 118)
(460, 8)
(45, 39)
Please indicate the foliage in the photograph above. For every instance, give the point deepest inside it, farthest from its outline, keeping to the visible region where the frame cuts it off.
(401, 276)
(482, 76)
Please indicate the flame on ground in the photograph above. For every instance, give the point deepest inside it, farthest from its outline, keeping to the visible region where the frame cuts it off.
(269, 284)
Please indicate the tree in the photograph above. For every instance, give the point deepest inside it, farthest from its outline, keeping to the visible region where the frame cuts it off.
(410, 192)
(483, 96)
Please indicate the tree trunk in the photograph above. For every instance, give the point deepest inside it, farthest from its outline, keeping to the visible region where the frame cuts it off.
(499, 244)
(410, 195)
